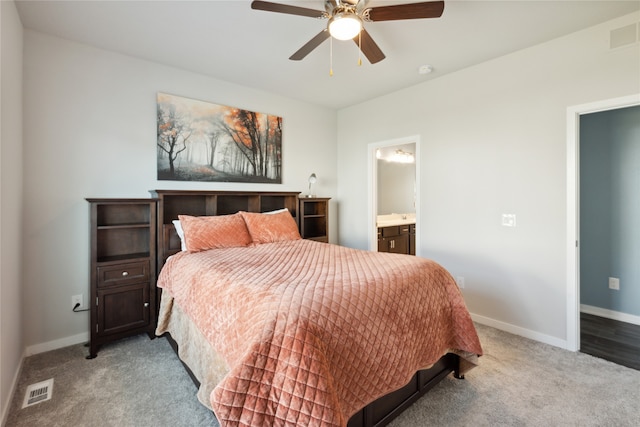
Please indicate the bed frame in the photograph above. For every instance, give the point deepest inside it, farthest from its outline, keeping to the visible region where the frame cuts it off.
(171, 203)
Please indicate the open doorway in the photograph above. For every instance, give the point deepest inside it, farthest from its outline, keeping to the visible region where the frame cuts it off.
(609, 217)
(574, 240)
(399, 147)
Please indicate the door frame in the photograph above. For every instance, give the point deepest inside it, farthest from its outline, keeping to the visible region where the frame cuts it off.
(373, 187)
(573, 206)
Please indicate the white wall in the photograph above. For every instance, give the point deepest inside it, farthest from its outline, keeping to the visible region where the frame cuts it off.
(90, 131)
(493, 141)
(11, 343)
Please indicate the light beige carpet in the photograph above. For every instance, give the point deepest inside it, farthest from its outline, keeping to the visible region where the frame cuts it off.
(524, 383)
(140, 382)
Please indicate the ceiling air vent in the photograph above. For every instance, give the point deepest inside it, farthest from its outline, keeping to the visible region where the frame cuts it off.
(38, 392)
(623, 36)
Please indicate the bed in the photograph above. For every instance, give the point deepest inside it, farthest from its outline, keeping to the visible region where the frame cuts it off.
(277, 330)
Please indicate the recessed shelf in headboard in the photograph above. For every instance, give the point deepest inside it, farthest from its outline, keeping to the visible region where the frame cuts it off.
(172, 203)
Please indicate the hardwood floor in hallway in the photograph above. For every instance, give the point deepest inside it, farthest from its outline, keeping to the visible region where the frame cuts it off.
(616, 341)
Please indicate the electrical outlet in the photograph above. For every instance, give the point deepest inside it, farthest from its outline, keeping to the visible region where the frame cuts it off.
(460, 282)
(76, 299)
(614, 283)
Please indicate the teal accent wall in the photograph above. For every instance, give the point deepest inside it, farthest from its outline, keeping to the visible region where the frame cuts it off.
(610, 209)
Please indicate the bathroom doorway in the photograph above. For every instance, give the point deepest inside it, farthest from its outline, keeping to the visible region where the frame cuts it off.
(394, 186)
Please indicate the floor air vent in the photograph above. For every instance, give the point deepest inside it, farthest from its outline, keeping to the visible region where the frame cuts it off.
(38, 392)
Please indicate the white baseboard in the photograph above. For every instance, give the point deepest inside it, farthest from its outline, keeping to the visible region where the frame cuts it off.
(56, 344)
(517, 330)
(610, 314)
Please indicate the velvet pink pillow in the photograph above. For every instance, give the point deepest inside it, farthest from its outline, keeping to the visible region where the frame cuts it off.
(273, 227)
(214, 232)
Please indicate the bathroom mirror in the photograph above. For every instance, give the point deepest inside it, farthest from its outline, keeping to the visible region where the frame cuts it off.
(396, 180)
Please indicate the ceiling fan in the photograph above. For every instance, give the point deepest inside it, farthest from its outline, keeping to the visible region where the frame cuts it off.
(346, 18)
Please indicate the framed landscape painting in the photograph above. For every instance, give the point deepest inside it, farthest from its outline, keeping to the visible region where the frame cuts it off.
(201, 141)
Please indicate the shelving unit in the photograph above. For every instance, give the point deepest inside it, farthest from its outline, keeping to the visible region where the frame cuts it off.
(123, 272)
(314, 218)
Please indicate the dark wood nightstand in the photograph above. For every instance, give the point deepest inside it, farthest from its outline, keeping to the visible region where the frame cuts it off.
(123, 269)
(314, 218)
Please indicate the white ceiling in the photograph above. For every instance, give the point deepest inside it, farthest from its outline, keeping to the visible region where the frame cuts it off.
(230, 41)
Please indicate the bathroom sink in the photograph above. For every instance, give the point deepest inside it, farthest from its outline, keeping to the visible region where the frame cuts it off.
(395, 219)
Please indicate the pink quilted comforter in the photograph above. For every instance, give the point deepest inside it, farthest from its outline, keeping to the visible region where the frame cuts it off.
(312, 332)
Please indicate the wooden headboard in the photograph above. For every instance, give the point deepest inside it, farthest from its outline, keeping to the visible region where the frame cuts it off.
(172, 203)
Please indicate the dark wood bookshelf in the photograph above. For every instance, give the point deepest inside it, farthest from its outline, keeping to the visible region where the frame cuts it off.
(123, 269)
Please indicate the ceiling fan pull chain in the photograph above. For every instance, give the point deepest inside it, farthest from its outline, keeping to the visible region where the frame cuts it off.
(331, 56)
(360, 48)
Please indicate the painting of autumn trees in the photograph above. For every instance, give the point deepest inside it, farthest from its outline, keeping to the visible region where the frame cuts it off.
(201, 141)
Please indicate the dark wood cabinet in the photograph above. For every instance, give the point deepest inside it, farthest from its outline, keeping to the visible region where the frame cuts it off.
(395, 239)
(123, 273)
(412, 239)
(314, 218)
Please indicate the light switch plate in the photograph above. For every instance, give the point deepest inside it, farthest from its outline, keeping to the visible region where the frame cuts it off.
(614, 283)
(509, 220)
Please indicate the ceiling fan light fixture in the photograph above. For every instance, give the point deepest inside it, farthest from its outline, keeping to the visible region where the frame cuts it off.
(345, 25)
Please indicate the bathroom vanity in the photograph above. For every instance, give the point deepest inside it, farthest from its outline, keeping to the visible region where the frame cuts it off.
(397, 233)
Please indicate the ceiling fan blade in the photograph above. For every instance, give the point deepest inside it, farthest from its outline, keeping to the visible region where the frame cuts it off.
(429, 9)
(369, 47)
(284, 8)
(311, 44)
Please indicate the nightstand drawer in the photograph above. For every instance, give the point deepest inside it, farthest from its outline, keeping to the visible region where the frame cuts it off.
(118, 274)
